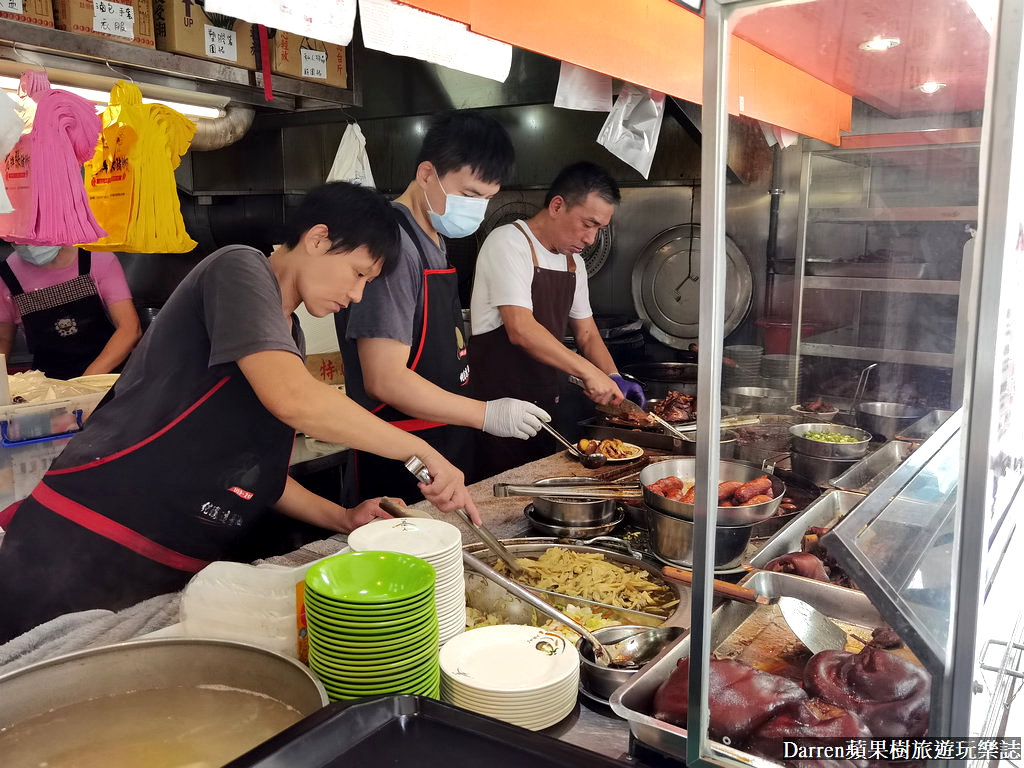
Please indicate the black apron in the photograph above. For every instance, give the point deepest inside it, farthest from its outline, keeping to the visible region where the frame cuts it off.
(439, 355)
(142, 521)
(66, 325)
(501, 369)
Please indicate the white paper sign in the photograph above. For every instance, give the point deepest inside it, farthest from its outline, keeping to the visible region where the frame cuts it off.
(314, 63)
(405, 31)
(12, 6)
(113, 19)
(220, 43)
(583, 89)
(329, 20)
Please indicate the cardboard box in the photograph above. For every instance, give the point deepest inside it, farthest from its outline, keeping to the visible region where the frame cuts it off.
(32, 12)
(86, 17)
(326, 367)
(183, 27)
(309, 59)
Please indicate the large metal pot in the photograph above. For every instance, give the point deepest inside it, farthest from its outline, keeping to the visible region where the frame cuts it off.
(808, 447)
(818, 470)
(156, 664)
(758, 399)
(659, 378)
(727, 470)
(672, 540)
(887, 419)
(572, 512)
(727, 446)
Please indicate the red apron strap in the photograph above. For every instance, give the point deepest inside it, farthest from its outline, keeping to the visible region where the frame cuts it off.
(8, 514)
(114, 531)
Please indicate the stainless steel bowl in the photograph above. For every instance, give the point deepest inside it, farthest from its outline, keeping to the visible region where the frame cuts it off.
(601, 682)
(555, 510)
(671, 540)
(727, 470)
(822, 416)
(573, 531)
(727, 446)
(156, 664)
(818, 470)
(809, 447)
(659, 378)
(757, 399)
(887, 419)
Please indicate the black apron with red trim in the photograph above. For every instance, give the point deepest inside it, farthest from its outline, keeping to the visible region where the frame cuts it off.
(501, 369)
(66, 325)
(142, 521)
(438, 354)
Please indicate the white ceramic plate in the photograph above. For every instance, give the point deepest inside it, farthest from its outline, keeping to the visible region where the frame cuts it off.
(634, 453)
(509, 658)
(411, 536)
(520, 698)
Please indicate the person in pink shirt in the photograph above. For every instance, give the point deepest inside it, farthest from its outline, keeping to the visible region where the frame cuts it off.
(75, 307)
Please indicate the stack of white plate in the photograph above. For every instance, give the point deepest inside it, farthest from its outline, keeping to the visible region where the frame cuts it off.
(747, 371)
(437, 542)
(522, 675)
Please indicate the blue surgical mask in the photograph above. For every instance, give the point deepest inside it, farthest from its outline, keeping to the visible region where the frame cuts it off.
(39, 255)
(462, 215)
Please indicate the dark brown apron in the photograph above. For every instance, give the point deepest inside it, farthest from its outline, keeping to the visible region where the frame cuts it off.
(501, 369)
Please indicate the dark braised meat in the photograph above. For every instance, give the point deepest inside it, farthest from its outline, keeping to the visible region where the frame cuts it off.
(885, 638)
(676, 407)
(812, 545)
(741, 698)
(888, 693)
(817, 405)
(806, 722)
(799, 563)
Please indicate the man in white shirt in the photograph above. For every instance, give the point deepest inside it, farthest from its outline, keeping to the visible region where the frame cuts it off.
(530, 287)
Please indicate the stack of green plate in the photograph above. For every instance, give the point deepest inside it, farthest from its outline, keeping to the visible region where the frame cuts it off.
(372, 624)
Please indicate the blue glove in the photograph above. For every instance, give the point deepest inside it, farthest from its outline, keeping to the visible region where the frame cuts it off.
(630, 390)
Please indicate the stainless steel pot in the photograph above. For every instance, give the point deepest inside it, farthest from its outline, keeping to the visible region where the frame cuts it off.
(727, 448)
(727, 470)
(659, 378)
(601, 682)
(758, 399)
(155, 664)
(572, 512)
(887, 419)
(809, 447)
(818, 470)
(672, 540)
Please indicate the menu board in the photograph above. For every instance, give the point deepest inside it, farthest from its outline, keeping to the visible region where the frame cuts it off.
(329, 20)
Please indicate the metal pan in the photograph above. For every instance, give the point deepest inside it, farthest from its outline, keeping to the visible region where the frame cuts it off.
(554, 510)
(886, 419)
(825, 450)
(727, 470)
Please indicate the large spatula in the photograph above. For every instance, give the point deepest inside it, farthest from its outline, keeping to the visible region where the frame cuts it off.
(813, 628)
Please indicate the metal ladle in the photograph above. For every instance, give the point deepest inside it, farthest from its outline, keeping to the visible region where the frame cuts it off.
(588, 460)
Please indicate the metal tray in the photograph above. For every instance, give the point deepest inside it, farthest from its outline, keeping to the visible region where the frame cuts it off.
(897, 270)
(868, 473)
(823, 512)
(633, 701)
(924, 427)
(412, 730)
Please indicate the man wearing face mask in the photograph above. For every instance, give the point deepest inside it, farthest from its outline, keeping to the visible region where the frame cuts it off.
(74, 306)
(403, 346)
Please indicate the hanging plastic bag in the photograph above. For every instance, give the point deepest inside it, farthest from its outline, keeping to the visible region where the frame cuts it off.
(633, 126)
(583, 89)
(351, 163)
(53, 209)
(130, 177)
(11, 129)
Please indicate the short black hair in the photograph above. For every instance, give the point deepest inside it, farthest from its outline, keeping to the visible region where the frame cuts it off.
(574, 182)
(354, 216)
(459, 138)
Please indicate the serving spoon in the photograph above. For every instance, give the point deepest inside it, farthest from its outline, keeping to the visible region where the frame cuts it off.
(588, 460)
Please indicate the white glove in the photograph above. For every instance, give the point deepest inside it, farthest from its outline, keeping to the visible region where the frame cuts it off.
(508, 417)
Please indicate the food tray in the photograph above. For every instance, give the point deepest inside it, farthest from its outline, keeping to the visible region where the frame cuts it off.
(826, 268)
(750, 633)
(412, 730)
(924, 427)
(868, 473)
(823, 512)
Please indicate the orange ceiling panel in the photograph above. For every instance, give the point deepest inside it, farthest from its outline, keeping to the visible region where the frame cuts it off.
(657, 44)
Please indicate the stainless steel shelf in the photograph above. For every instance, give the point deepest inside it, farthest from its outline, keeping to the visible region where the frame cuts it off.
(939, 213)
(884, 285)
(841, 343)
(54, 49)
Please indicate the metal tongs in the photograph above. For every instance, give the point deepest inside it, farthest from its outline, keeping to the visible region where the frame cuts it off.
(617, 491)
(416, 466)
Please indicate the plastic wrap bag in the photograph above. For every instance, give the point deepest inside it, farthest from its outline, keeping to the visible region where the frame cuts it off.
(11, 128)
(583, 89)
(351, 163)
(633, 126)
